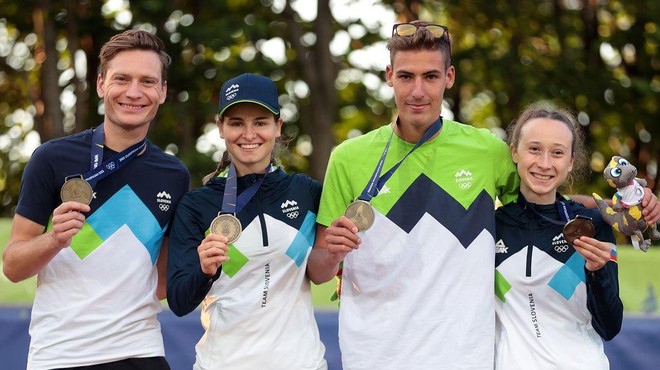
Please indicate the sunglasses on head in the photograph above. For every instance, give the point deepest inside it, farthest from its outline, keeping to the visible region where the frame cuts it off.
(409, 29)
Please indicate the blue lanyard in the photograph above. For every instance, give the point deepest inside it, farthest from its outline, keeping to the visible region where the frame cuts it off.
(376, 182)
(231, 203)
(565, 212)
(100, 171)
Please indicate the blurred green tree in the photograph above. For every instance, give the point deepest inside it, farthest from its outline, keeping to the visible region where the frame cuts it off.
(598, 58)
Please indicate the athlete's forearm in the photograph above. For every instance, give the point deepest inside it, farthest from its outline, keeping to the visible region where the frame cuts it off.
(603, 301)
(23, 259)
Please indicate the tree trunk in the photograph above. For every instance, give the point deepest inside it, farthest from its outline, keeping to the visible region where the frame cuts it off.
(50, 91)
(324, 105)
(320, 72)
(81, 90)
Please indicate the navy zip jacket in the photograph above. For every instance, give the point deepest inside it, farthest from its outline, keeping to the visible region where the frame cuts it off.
(187, 285)
(522, 230)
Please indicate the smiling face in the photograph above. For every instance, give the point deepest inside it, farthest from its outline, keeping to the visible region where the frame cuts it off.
(419, 78)
(250, 131)
(132, 89)
(544, 158)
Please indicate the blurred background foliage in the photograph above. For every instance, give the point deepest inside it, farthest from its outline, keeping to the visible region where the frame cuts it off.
(598, 58)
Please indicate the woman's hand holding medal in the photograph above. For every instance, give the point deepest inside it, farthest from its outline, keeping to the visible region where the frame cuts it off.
(595, 252)
(580, 232)
(213, 253)
(68, 220)
(341, 238)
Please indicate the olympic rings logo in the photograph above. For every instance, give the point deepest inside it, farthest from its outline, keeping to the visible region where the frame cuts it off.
(465, 185)
(292, 215)
(164, 207)
(561, 248)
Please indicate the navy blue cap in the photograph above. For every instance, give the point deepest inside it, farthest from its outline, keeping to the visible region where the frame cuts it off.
(249, 88)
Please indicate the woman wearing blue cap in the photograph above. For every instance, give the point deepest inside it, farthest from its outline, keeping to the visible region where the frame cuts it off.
(239, 245)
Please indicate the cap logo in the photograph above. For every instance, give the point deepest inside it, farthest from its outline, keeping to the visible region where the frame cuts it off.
(231, 92)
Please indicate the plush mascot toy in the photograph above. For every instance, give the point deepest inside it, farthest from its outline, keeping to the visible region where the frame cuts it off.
(625, 215)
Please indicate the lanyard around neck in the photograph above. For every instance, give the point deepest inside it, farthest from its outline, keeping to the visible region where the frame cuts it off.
(376, 181)
(233, 203)
(565, 212)
(98, 168)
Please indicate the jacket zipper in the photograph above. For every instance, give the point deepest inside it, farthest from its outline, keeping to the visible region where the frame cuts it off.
(528, 269)
(530, 249)
(262, 222)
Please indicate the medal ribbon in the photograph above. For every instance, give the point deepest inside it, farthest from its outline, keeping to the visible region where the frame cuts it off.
(99, 171)
(230, 202)
(376, 182)
(565, 212)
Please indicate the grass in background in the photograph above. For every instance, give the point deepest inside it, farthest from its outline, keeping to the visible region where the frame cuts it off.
(13, 293)
(639, 279)
(321, 295)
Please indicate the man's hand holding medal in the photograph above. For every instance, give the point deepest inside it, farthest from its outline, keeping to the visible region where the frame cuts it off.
(68, 220)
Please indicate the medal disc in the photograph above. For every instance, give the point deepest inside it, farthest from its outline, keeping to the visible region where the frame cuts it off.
(361, 213)
(578, 227)
(227, 225)
(78, 190)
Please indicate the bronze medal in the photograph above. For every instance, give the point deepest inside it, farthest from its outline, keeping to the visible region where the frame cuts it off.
(227, 225)
(78, 190)
(361, 213)
(578, 227)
